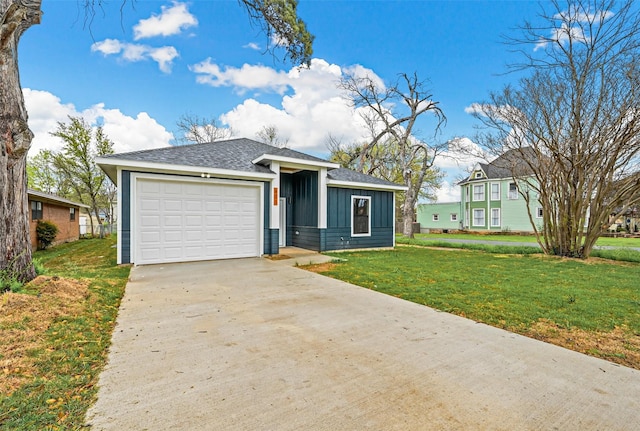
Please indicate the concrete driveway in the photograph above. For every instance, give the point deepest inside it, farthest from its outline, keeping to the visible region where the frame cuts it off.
(254, 344)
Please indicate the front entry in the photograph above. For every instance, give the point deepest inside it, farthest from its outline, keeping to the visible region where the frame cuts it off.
(282, 242)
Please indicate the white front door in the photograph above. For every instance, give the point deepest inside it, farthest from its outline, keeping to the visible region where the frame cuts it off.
(283, 222)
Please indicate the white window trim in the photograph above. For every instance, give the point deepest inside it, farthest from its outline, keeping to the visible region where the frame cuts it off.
(473, 217)
(491, 191)
(499, 217)
(484, 192)
(354, 197)
(435, 217)
(539, 212)
(513, 196)
(478, 175)
(454, 217)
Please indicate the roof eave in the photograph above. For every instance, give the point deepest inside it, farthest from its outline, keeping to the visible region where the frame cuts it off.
(367, 186)
(293, 162)
(111, 165)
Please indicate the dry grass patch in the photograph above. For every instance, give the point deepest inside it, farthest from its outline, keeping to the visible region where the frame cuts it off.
(24, 319)
(620, 345)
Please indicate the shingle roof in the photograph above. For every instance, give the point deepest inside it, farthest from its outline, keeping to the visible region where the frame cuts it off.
(237, 155)
(509, 164)
(234, 154)
(54, 198)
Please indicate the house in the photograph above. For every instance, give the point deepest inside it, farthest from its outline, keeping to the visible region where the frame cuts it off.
(65, 214)
(491, 199)
(439, 216)
(242, 198)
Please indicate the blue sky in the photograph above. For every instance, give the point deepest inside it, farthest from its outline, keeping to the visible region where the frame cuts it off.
(138, 72)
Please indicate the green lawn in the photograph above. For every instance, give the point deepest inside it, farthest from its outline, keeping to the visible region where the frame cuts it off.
(604, 241)
(60, 361)
(514, 292)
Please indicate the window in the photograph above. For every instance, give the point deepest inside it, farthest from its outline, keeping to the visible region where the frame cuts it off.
(478, 175)
(539, 213)
(513, 191)
(36, 210)
(436, 217)
(360, 216)
(454, 217)
(495, 191)
(478, 192)
(72, 214)
(495, 217)
(478, 217)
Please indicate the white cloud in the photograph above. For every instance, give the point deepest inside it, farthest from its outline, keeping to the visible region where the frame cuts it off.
(127, 133)
(132, 52)
(172, 20)
(448, 192)
(248, 77)
(461, 154)
(252, 45)
(312, 105)
(567, 31)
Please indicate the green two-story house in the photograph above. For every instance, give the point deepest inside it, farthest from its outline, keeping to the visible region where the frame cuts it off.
(491, 199)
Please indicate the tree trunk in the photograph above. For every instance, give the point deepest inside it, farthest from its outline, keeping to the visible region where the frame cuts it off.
(408, 209)
(16, 16)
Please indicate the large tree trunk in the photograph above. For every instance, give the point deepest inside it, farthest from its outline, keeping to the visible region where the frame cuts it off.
(16, 16)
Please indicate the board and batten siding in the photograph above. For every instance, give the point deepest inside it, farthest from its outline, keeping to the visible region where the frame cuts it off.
(338, 233)
(125, 216)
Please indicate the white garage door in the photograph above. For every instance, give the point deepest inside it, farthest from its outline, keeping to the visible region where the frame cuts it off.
(185, 221)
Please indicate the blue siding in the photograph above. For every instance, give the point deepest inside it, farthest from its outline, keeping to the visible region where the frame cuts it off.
(338, 232)
(306, 237)
(125, 222)
(305, 199)
(271, 236)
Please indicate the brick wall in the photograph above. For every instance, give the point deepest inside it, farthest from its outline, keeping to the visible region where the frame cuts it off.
(68, 230)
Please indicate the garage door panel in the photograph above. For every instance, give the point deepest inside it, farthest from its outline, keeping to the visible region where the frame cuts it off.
(172, 204)
(171, 188)
(193, 220)
(180, 221)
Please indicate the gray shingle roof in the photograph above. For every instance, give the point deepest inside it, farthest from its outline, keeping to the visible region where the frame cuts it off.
(237, 155)
(511, 163)
(54, 198)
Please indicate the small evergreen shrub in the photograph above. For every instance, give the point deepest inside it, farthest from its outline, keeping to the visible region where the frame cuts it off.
(46, 233)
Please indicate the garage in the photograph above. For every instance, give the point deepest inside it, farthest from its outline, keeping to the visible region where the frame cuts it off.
(192, 219)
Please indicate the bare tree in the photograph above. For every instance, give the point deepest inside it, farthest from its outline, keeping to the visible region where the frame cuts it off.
(200, 130)
(279, 19)
(574, 120)
(392, 115)
(271, 136)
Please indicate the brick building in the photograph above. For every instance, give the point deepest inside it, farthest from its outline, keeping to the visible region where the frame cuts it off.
(65, 214)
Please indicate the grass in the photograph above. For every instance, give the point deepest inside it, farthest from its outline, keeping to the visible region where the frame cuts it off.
(603, 241)
(531, 294)
(55, 336)
(622, 252)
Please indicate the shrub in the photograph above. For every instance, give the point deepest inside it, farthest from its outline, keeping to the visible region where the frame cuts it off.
(9, 283)
(46, 233)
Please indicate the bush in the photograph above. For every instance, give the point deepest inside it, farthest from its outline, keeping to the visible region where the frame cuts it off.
(46, 233)
(9, 283)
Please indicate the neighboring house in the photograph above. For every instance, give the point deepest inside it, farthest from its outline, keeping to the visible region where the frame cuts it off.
(491, 198)
(65, 214)
(242, 198)
(439, 216)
